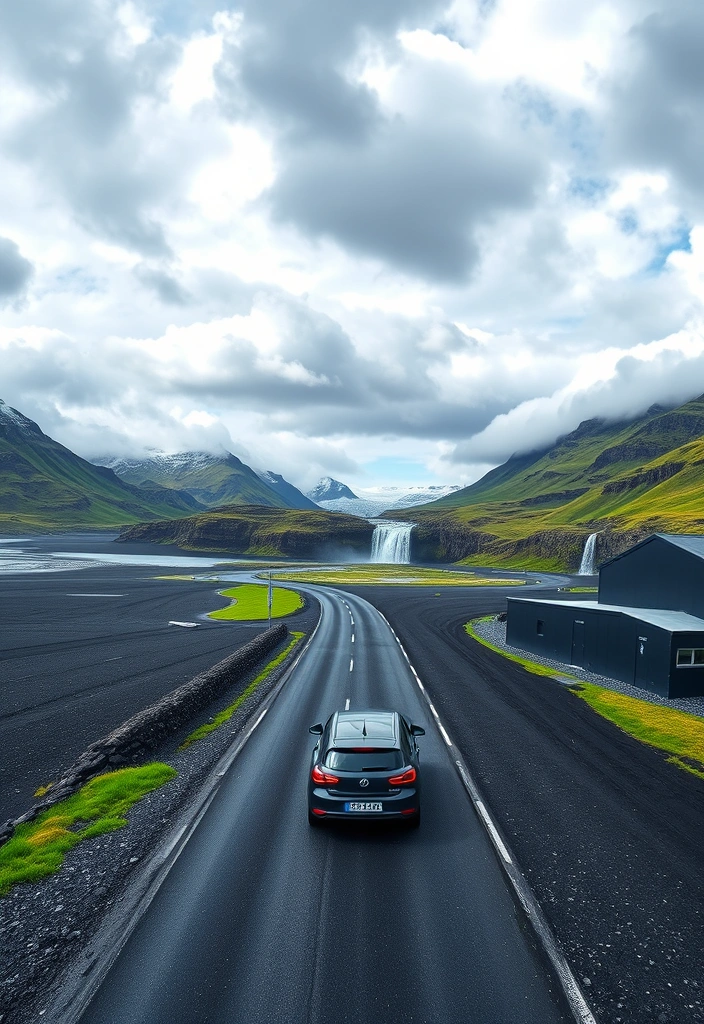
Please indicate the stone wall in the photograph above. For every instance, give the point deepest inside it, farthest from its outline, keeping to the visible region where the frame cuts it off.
(148, 729)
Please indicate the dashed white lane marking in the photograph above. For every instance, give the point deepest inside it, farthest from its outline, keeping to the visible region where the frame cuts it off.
(351, 664)
(495, 835)
(444, 734)
(347, 704)
(187, 625)
(258, 721)
(570, 987)
(353, 638)
(352, 619)
(95, 595)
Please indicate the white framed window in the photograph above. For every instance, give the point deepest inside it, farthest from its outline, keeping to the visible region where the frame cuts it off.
(690, 657)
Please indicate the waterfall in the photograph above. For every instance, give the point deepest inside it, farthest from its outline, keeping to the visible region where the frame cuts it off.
(391, 542)
(587, 567)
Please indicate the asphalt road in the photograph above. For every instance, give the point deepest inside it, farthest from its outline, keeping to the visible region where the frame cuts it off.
(75, 664)
(608, 834)
(264, 919)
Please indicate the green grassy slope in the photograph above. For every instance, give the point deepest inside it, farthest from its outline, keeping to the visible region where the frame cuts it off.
(212, 480)
(623, 480)
(265, 532)
(44, 486)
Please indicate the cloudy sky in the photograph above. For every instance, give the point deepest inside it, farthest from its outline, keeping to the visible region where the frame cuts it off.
(389, 241)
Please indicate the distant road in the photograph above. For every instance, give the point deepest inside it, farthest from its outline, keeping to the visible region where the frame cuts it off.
(263, 919)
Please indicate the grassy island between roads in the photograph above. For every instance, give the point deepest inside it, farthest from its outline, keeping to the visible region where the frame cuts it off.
(675, 732)
(250, 602)
(401, 575)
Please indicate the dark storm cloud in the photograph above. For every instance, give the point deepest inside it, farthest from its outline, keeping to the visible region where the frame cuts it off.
(292, 65)
(164, 285)
(408, 188)
(81, 137)
(411, 197)
(658, 101)
(15, 270)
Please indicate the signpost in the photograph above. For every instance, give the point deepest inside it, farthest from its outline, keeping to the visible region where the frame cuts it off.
(269, 599)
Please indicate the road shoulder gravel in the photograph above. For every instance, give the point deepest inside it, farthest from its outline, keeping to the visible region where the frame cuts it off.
(46, 927)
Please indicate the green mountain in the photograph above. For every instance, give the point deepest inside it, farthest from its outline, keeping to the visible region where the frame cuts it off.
(213, 479)
(622, 480)
(264, 532)
(44, 486)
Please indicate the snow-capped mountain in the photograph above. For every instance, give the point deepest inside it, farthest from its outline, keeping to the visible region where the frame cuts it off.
(212, 478)
(372, 501)
(328, 489)
(291, 495)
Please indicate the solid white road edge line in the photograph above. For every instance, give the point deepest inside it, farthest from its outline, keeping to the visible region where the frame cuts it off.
(107, 944)
(492, 828)
(572, 992)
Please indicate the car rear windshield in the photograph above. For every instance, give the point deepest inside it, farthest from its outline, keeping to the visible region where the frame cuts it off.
(383, 760)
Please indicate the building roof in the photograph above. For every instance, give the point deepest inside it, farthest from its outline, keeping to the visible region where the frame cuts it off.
(693, 543)
(673, 622)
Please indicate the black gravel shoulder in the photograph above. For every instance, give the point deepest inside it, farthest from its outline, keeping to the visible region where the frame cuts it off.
(608, 834)
(44, 927)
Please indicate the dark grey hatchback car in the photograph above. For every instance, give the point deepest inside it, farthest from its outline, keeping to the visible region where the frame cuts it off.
(365, 765)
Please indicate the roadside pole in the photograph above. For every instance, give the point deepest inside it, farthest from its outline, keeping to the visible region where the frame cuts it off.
(269, 599)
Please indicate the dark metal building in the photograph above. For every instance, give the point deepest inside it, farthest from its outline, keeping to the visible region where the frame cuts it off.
(646, 628)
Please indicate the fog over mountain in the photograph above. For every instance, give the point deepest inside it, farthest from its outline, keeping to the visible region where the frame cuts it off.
(379, 242)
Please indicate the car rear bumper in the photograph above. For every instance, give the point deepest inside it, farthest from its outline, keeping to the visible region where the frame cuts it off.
(400, 806)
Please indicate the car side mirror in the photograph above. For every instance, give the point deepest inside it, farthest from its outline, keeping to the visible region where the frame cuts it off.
(317, 730)
(417, 730)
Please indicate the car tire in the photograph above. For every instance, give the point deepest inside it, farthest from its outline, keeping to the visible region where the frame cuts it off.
(415, 821)
(314, 820)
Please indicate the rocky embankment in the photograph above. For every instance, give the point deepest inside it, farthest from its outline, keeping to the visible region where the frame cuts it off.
(254, 530)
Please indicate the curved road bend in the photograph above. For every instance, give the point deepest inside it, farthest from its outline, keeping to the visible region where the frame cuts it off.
(263, 919)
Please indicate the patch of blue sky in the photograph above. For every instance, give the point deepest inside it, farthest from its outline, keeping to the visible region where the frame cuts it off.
(181, 18)
(680, 243)
(591, 189)
(390, 470)
(627, 221)
(77, 279)
(582, 136)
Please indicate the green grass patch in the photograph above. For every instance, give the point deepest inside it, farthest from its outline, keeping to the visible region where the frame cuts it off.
(676, 732)
(226, 714)
(37, 849)
(249, 601)
(530, 666)
(401, 575)
(579, 590)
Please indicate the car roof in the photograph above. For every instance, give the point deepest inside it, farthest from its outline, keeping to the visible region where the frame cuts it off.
(349, 728)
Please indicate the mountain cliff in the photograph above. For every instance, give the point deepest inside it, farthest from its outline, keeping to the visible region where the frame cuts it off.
(328, 489)
(622, 480)
(264, 532)
(211, 478)
(44, 486)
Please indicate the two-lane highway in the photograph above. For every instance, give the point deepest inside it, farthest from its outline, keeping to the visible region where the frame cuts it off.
(264, 919)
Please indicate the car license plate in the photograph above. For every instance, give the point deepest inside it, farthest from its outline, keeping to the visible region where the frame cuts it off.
(362, 805)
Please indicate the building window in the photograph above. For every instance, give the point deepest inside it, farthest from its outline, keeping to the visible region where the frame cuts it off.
(690, 656)
(540, 627)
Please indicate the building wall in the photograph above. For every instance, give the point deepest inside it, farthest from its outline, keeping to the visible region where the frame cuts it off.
(613, 644)
(656, 574)
(685, 682)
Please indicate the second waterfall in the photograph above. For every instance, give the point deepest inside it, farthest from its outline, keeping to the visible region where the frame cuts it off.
(391, 542)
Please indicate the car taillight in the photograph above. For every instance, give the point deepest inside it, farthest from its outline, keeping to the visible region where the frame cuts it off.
(322, 778)
(402, 780)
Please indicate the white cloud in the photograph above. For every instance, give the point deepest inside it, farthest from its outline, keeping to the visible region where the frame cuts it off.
(418, 229)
